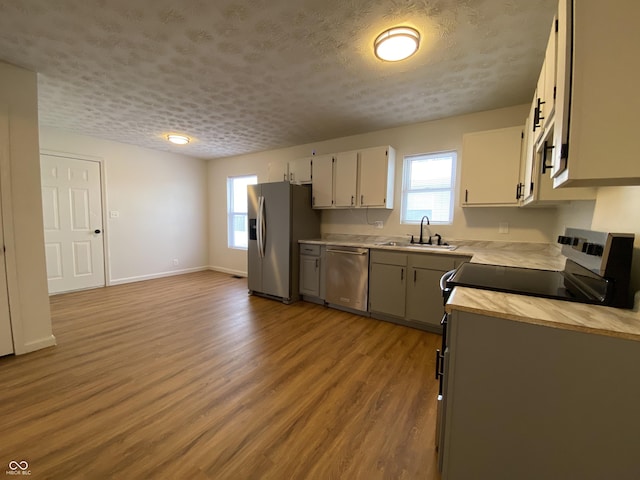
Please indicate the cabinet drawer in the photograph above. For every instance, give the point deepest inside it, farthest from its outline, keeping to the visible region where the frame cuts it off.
(307, 249)
(441, 262)
(388, 258)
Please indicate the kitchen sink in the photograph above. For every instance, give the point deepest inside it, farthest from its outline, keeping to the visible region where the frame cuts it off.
(420, 246)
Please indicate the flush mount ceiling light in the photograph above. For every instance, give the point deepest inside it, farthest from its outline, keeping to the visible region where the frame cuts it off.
(396, 44)
(178, 139)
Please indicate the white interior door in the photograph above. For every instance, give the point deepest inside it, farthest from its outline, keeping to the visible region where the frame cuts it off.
(6, 338)
(72, 208)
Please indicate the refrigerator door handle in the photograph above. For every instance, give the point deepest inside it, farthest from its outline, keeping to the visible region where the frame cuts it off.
(259, 227)
(262, 230)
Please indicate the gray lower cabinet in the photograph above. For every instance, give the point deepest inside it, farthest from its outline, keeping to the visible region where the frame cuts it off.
(532, 402)
(387, 285)
(311, 271)
(406, 286)
(310, 275)
(424, 302)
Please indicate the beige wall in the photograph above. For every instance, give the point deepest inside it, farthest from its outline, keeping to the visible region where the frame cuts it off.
(22, 212)
(616, 210)
(161, 198)
(525, 225)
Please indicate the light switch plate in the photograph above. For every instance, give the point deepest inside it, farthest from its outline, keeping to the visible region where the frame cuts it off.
(504, 227)
(114, 214)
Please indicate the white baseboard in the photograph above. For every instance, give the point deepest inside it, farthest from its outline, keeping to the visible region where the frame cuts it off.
(34, 345)
(140, 278)
(227, 270)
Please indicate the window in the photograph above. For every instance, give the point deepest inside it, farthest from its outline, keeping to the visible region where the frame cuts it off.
(237, 210)
(427, 187)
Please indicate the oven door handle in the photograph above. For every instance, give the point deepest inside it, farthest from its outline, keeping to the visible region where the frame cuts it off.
(445, 278)
(439, 364)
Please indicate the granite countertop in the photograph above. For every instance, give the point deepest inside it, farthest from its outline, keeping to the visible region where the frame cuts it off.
(581, 317)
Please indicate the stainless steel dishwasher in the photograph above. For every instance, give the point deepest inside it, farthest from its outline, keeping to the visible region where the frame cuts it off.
(347, 277)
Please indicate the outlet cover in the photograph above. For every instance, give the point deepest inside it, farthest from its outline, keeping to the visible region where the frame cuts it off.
(504, 227)
(176, 262)
(114, 213)
(378, 224)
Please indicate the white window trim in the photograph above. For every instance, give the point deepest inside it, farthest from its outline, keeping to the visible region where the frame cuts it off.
(406, 181)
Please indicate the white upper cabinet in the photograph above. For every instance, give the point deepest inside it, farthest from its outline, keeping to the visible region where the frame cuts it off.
(537, 188)
(362, 178)
(376, 177)
(322, 184)
(526, 187)
(346, 179)
(597, 99)
(300, 170)
(490, 173)
(545, 97)
(277, 172)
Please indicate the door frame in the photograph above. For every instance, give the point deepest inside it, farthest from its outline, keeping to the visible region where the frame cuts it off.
(11, 269)
(103, 199)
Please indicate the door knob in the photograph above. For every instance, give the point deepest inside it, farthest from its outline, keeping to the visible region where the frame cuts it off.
(96, 231)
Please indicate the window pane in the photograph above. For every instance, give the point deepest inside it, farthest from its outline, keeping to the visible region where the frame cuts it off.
(237, 210)
(240, 238)
(240, 192)
(431, 173)
(428, 187)
(436, 205)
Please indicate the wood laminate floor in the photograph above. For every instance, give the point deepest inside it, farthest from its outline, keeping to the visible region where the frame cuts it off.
(189, 377)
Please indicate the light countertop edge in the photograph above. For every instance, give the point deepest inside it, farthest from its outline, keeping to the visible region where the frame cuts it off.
(580, 317)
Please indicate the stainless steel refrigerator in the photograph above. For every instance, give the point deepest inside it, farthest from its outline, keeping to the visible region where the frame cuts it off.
(279, 215)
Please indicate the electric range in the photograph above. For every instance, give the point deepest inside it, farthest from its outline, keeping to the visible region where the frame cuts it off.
(597, 271)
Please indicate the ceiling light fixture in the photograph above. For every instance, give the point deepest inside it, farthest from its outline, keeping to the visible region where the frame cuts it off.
(178, 139)
(396, 44)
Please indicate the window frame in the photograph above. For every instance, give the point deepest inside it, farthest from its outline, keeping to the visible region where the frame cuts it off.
(232, 214)
(406, 182)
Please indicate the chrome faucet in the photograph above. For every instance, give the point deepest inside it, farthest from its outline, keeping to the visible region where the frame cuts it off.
(421, 228)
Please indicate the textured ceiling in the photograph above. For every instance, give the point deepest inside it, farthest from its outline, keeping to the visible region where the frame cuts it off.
(247, 75)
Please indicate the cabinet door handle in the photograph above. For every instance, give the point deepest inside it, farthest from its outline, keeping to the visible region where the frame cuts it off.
(414, 275)
(536, 115)
(402, 274)
(546, 148)
(353, 198)
(316, 263)
(466, 196)
(361, 199)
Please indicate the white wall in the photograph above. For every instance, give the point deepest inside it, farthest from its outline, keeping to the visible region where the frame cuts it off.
(22, 211)
(161, 198)
(525, 225)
